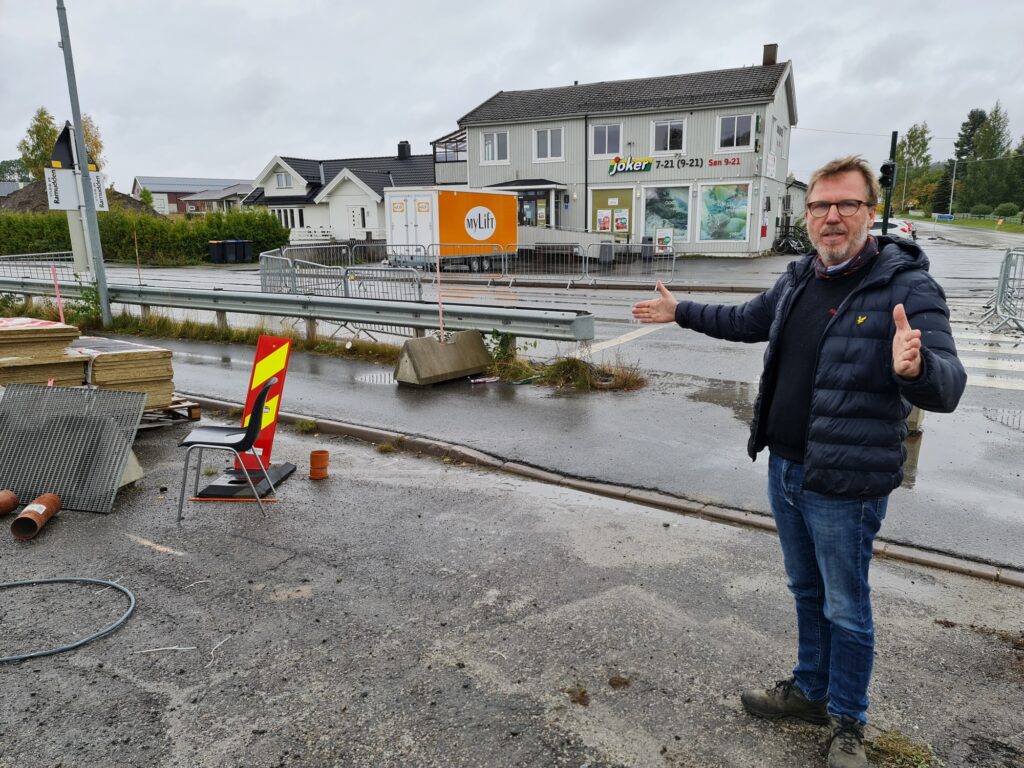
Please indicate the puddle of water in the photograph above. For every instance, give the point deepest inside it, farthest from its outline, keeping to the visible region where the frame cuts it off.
(738, 396)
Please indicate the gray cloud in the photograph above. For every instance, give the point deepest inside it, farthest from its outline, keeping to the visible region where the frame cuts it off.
(219, 87)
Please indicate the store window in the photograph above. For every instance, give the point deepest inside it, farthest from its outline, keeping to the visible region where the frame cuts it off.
(723, 212)
(667, 214)
(494, 148)
(611, 212)
(607, 139)
(548, 146)
(284, 180)
(734, 132)
(669, 136)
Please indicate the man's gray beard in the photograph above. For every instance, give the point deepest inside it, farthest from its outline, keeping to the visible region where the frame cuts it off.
(837, 255)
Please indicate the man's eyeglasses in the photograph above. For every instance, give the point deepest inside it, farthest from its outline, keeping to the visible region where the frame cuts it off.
(820, 209)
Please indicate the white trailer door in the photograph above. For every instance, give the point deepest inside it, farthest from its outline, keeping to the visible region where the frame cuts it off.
(400, 232)
(424, 217)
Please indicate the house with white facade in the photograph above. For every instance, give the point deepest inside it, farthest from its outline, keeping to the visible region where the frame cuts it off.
(341, 200)
(696, 161)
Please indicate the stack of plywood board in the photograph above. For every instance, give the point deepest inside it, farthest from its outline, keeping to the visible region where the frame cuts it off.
(35, 352)
(125, 365)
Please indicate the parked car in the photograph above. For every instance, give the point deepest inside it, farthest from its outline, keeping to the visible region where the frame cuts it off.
(897, 228)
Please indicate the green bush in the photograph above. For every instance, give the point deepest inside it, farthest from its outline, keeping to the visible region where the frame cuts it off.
(160, 241)
(981, 209)
(1007, 209)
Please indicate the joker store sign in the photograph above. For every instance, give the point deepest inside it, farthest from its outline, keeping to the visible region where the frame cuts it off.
(618, 165)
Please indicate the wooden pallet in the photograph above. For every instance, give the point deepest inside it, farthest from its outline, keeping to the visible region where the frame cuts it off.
(178, 411)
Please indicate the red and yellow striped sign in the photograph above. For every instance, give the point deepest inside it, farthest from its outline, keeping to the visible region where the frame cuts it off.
(272, 353)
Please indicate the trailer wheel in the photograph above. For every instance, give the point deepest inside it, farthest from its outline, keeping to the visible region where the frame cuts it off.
(474, 265)
(485, 263)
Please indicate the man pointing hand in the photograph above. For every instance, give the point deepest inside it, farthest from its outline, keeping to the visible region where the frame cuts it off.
(846, 360)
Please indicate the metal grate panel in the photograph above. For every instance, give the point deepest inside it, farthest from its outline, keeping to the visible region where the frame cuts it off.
(70, 441)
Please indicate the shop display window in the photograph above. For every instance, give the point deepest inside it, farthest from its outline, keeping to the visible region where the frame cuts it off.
(667, 208)
(723, 212)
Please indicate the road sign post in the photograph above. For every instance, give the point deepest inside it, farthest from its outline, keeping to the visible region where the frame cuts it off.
(92, 232)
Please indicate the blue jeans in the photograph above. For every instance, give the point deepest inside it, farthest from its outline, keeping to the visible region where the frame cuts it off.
(826, 546)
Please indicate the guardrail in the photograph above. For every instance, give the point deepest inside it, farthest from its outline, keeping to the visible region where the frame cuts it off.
(556, 325)
(1006, 305)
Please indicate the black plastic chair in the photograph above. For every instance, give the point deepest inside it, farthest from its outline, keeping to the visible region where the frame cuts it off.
(237, 440)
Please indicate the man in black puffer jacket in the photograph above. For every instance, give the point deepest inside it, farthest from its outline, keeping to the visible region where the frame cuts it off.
(857, 333)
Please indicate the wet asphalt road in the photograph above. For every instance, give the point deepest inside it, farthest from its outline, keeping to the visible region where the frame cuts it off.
(686, 432)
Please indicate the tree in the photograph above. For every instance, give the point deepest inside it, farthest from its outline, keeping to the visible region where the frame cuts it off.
(13, 170)
(37, 146)
(987, 180)
(93, 141)
(146, 197)
(964, 145)
(992, 138)
(912, 159)
(940, 197)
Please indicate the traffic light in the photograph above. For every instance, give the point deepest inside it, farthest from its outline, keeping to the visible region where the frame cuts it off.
(888, 174)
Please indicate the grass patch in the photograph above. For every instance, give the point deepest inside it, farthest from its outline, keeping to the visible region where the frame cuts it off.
(305, 426)
(894, 750)
(158, 326)
(990, 224)
(385, 448)
(571, 372)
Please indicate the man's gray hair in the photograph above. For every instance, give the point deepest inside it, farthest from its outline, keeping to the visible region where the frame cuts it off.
(845, 165)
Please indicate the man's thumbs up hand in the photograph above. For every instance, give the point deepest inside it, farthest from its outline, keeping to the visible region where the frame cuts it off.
(906, 346)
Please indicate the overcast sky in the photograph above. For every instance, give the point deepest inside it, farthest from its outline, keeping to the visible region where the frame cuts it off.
(218, 87)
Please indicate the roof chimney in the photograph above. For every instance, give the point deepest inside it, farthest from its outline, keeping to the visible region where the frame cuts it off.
(404, 150)
(771, 54)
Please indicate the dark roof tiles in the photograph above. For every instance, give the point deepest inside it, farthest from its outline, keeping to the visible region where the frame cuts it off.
(649, 93)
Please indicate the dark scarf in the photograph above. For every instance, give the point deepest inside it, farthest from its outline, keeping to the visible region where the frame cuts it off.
(848, 267)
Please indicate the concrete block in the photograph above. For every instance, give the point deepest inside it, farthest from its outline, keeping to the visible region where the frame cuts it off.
(427, 361)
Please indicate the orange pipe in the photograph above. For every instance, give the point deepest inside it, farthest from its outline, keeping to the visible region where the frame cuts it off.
(318, 461)
(34, 516)
(8, 502)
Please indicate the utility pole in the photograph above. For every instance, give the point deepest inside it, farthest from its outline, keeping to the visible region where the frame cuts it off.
(92, 231)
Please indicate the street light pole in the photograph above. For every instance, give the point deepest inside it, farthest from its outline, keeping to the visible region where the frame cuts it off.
(92, 231)
(952, 187)
(903, 199)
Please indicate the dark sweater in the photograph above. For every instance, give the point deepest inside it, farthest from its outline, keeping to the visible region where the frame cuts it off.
(801, 335)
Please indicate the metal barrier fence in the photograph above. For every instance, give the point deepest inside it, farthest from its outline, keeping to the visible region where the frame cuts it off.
(414, 256)
(331, 255)
(1006, 306)
(280, 274)
(566, 260)
(629, 261)
(276, 273)
(639, 262)
(36, 266)
(475, 258)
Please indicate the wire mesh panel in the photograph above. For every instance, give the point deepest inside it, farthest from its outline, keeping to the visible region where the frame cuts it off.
(73, 442)
(312, 279)
(629, 261)
(36, 266)
(561, 259)
(334, 255)
(275, 273)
